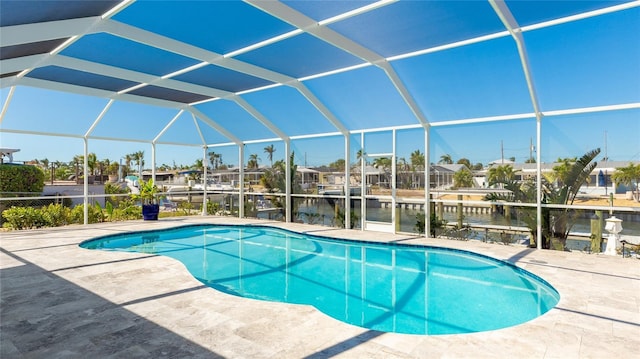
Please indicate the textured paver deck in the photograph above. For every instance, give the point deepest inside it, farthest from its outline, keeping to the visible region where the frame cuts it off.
(62, 301)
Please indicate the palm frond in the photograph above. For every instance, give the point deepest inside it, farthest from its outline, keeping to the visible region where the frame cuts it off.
(580, 171)
(497, 197)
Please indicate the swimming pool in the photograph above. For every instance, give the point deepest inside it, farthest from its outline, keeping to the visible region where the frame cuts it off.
(385, 287)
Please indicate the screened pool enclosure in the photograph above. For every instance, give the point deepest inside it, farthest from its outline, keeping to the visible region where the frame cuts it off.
(364, 114)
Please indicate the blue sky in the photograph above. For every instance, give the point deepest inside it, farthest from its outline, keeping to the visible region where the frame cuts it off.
(475, 81)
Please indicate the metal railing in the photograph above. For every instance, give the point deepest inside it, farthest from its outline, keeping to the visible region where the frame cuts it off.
(503, 225)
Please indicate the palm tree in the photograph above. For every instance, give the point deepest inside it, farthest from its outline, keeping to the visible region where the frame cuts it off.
(561, 171)
(44, 166)
(463, 178)
(78, 164)
(563, 192)
(92, 162)
(44, 163)
(215, 159)
(337, 165)
(113, 169)
(628, 175)
(361, 154)
(445, 159)
(383, 163)
(464, 161)
(198, 164)
(59, 170)
(355, 167)
(417, 160)
(274, 179)
(253, 161)
(571, 181)
(269, 150)
(402, 169)
(500, 175)
(138, 158)
(101, 165)
(197, 167)
(77, 160)
(127, 160)
(417, 163)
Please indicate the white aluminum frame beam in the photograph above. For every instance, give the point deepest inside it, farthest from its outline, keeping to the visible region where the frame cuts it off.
(106, 70)
(171, 45)
(49, 85)
(50, 30)
(326, 34)
(19, 64)
(85, 166)
(64, 26)
(206, 119)
(130, 75)
(145, 79)
(5, 105)
(512, 26)
(98, 119)
(320, 31)
(87, 91)
(204, 164)
(581, 16)
(164, 130)
(72, 29)
(155, 141)
(260, 117)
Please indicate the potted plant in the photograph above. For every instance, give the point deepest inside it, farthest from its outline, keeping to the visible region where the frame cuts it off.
(147, 197)
(112, 170)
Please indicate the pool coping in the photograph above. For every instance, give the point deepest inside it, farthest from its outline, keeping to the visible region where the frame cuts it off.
(598, 314)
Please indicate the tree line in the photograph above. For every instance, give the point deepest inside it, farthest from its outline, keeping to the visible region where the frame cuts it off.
(409, 171)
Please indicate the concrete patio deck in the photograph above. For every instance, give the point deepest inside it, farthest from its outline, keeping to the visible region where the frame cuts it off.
(62, 301)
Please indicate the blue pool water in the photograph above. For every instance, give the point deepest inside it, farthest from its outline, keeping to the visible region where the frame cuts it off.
(391, 288)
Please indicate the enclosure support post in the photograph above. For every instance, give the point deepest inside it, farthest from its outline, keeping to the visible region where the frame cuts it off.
(427, 184)
(363, 183)
(347, 184)
(241, 180)
(204, 180)
(153, 164)
(85, 170)
(287, 149)
(395, 214)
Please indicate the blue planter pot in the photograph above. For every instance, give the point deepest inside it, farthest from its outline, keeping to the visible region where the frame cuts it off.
(150, 212)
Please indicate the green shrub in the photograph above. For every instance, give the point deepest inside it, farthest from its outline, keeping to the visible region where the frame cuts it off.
(214, 208)
(132, 212)
(77, 214)
(23, 218)
(99, 213)
(434, 223)
(112, 188)
(108, 207)
(340, 219)
(20, 178)
(126, 210)
(186, 208)
(115, 189)
(56, 215)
